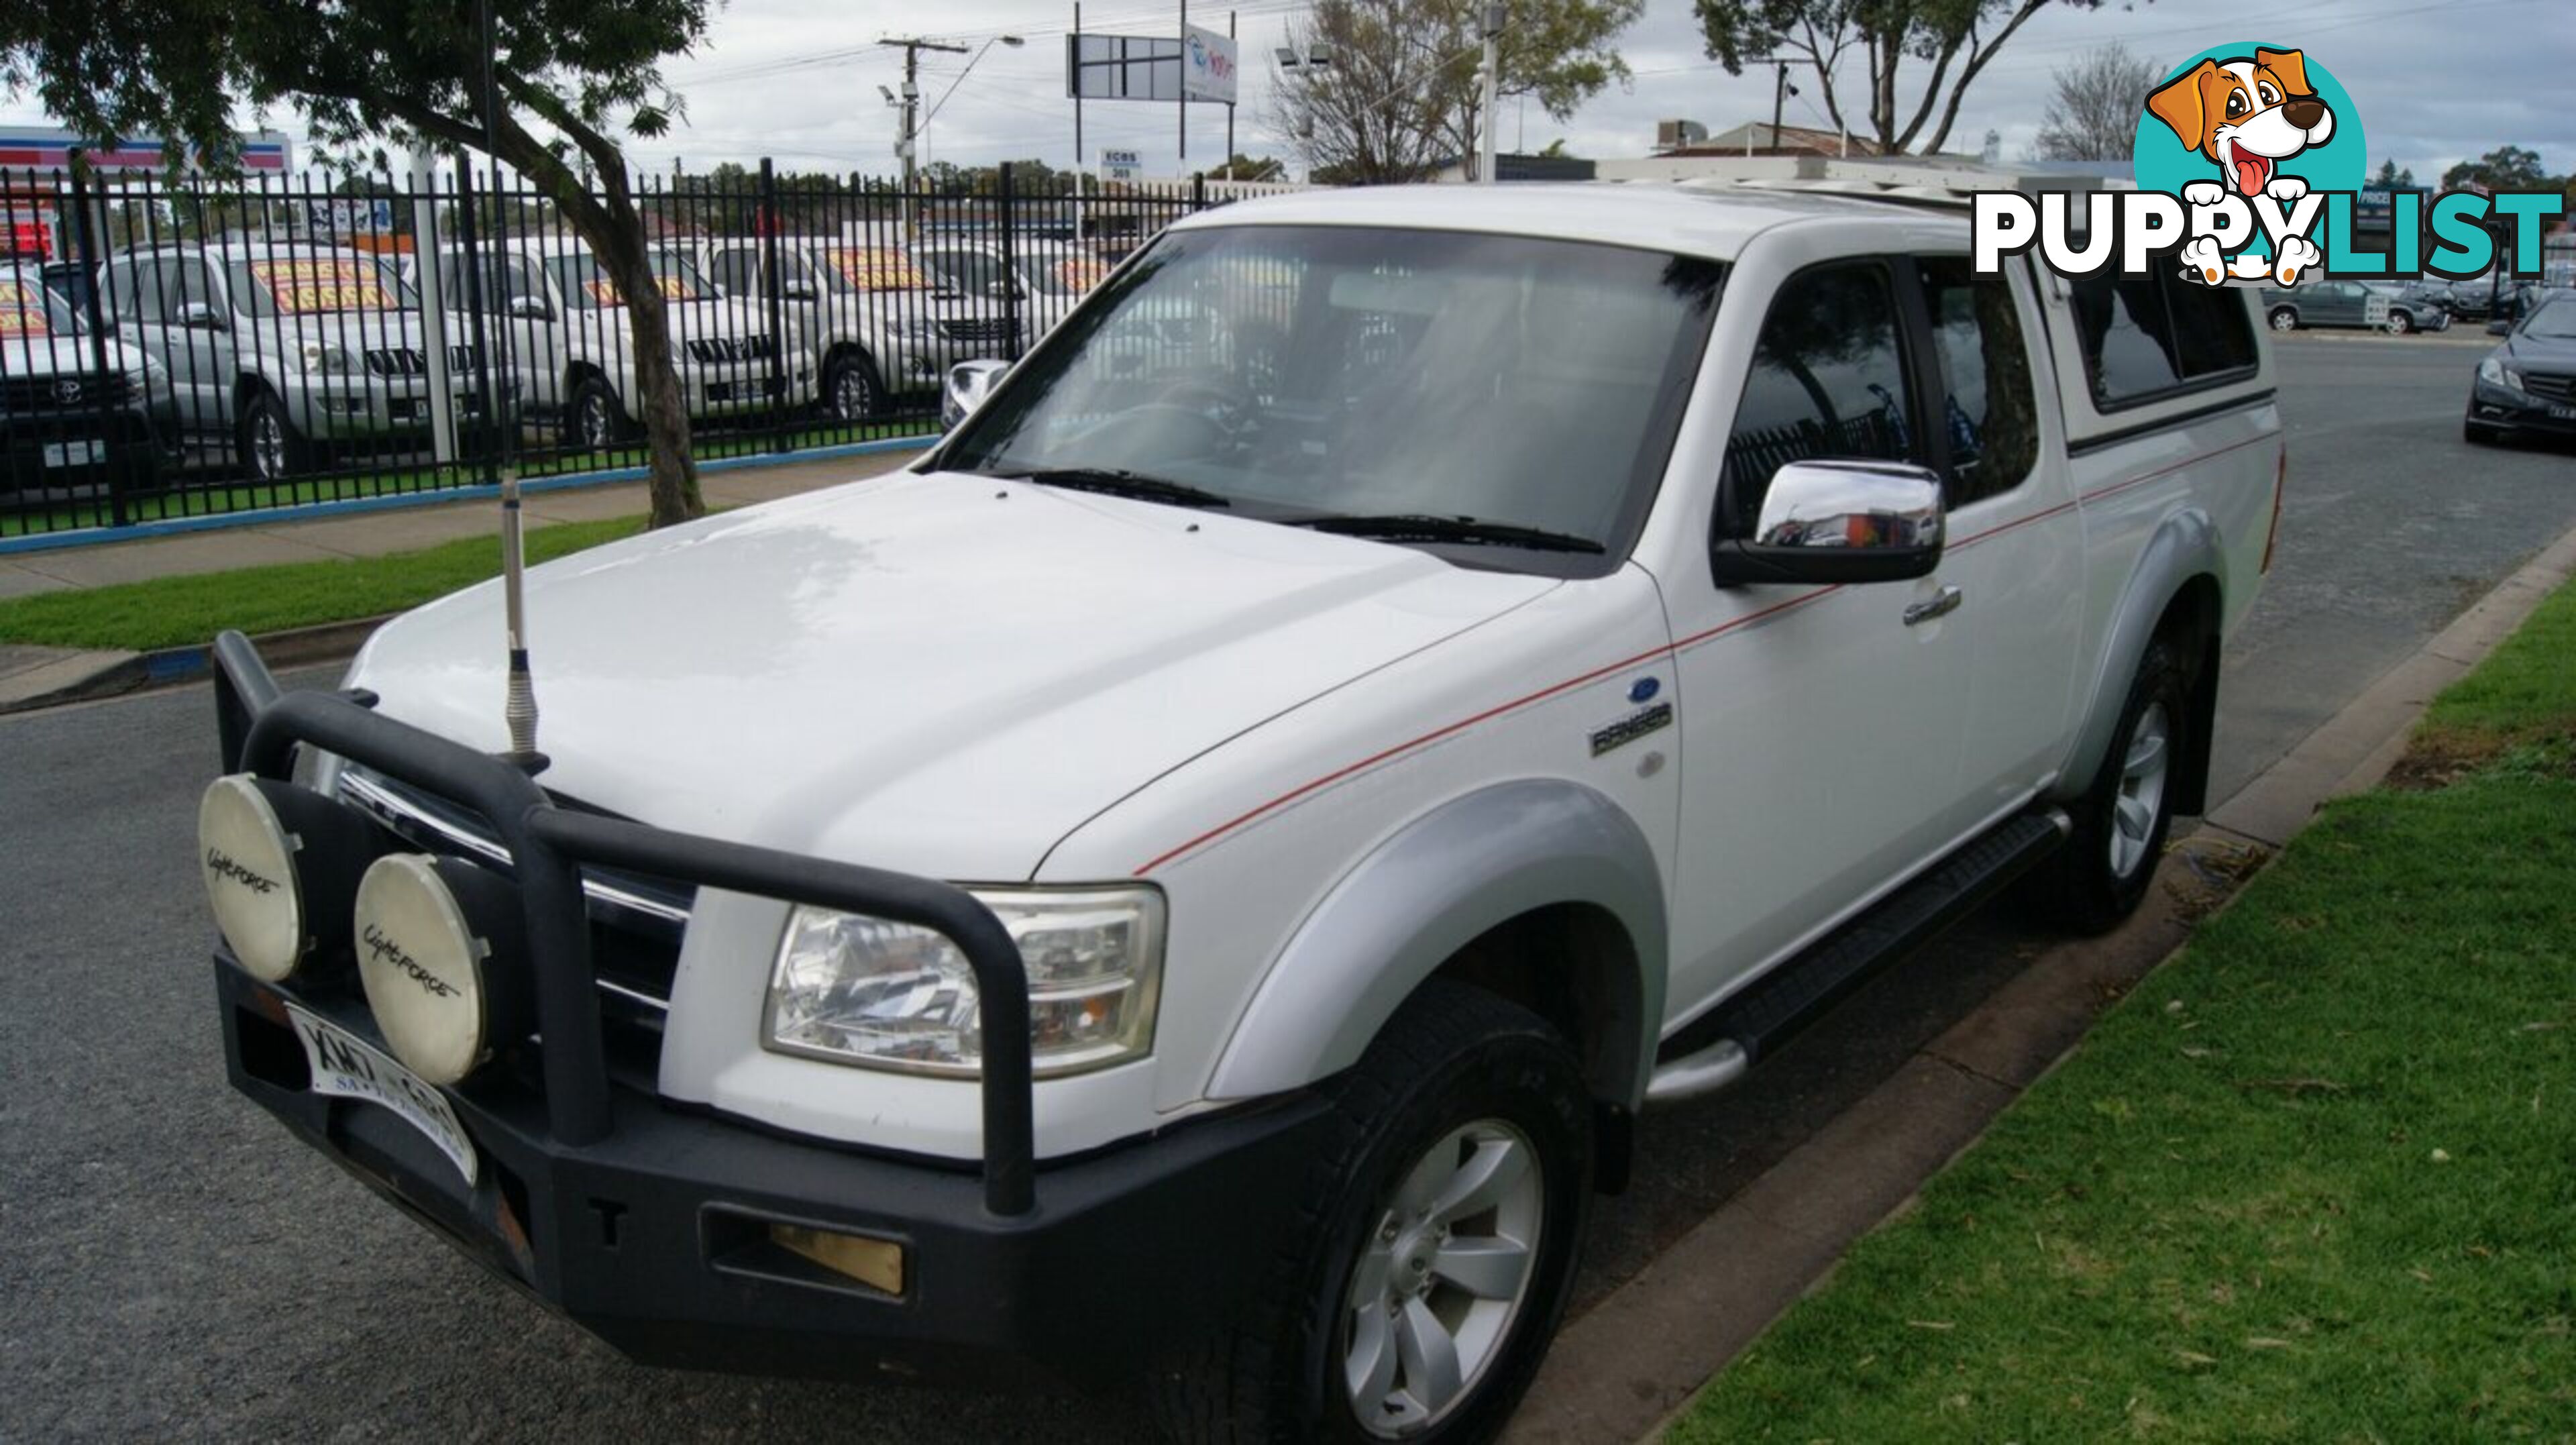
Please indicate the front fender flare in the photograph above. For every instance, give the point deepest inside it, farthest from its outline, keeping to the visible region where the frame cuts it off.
(2185, 545)
(1455, 873)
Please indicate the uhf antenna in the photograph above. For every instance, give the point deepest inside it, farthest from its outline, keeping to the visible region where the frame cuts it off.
(519, 709)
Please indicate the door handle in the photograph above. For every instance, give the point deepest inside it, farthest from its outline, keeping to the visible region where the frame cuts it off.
(1941, 604)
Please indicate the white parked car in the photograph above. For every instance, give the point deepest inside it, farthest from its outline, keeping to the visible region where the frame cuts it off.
(1316, 810)
(570, 341)
(879, 328)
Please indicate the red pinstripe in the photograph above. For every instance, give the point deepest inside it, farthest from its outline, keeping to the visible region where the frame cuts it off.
(1649, 655)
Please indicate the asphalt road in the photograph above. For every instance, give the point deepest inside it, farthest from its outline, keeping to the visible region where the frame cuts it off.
(171, 1266)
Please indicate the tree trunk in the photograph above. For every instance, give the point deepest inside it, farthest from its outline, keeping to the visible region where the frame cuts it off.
(658, 401)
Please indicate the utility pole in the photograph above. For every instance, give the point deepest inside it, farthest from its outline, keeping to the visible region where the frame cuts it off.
(1780, 89)
(1496, 15)
(912, 46)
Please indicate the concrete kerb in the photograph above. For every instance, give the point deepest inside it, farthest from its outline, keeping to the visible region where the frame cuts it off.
(1625, 1370)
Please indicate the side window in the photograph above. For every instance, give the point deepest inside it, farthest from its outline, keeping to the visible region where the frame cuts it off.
(737, 270)
(2144, 335)
(1986, 404)
(1828, 381)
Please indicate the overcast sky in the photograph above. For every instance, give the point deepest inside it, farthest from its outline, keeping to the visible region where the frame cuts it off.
(797, 80)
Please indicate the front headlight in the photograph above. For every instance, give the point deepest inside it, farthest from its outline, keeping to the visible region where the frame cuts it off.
(327, 356)
(860, 990)
(2494, 372)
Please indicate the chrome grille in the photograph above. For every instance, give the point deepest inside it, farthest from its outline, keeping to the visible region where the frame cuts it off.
(976, 329)
(413, 361)
(636, 921)
(2556, 388)
(65, 391)
(721, 349)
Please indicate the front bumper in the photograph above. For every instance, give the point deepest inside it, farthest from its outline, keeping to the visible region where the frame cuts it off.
(655, 1238)
(2513, 410)
(725, 390)
(39, 452)
(650, 1224)
(363, 408)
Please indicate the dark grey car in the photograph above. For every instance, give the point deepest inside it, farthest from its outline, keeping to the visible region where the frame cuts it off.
(2351, 304)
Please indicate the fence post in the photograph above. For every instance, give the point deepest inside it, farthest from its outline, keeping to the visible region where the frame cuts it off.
(1010, 266)
(477, 295)
(85, 239)
(768, 223)
(1198, 190)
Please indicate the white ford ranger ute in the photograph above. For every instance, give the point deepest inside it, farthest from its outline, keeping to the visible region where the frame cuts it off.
(1190, 882)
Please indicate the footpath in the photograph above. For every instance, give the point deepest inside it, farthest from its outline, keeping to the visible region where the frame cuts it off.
(37, 676)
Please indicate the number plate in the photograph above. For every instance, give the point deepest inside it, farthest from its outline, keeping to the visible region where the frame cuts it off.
(348, 1067)
(75, 454)
(2562, 413)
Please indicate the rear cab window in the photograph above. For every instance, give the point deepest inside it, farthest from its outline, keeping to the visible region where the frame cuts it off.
(2155, 348)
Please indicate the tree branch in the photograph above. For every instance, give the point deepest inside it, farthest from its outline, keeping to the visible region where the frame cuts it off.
(1950, 112)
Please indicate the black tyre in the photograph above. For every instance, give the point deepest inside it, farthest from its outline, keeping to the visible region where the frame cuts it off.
(594, 418)
(1421, 1286)
(2479, 434)
(852, 391)
(2400, 324)
(2100, 875)
(2284, 319)
(272, 450)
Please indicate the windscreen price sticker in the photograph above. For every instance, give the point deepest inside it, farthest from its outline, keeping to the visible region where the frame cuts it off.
(22, 313)
(301, 288)
(604, 292)
(878, 270)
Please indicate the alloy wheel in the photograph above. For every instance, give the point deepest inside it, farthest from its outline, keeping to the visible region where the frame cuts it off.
(1441, 1278)
(853, 398)
(267, 445)
(2142, 789)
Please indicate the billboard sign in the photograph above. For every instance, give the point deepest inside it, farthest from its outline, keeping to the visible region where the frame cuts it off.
(349, 216)
(1208, 69)
(48, 148)
(1120, 165)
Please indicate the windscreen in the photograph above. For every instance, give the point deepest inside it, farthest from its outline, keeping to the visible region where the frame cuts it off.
(588, 286)
(1316, 372)
(316, 286)
(28, 310)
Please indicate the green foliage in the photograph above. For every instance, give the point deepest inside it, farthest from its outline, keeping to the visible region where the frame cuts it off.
(181, 611)
(2506, 168)
(1400, 94)
(1957, 38)
(2391, 175)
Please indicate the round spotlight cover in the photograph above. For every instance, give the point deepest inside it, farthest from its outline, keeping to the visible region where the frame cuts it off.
(249, 866)
(422, 967)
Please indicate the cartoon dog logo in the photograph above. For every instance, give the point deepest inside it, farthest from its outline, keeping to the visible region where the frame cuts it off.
(2247, 114)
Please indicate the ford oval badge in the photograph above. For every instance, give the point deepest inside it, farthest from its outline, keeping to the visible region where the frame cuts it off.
(1644, 689)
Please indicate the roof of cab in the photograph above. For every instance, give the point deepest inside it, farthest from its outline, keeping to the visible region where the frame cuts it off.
(1695, 221)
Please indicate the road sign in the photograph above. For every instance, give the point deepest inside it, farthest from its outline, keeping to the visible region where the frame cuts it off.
(349, 216)
(1208, 65)
(1120, 165)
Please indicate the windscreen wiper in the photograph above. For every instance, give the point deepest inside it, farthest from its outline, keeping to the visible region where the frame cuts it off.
(1425, 527)
(1118, 482)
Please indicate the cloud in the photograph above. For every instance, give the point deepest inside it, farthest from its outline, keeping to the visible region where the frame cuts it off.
(797, 80)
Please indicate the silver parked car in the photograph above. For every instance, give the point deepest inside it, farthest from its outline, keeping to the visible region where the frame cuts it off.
(283, 347)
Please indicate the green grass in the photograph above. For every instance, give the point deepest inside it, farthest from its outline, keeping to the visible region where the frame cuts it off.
(225, 498)
(2314, 1181)
(178, 611)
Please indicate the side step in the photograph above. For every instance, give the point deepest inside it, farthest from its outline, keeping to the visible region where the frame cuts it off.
(1719, 1046)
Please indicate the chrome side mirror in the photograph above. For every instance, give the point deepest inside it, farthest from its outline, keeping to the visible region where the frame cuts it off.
(198, 316)
(969, 382)
(531, 308)
(1840, 521)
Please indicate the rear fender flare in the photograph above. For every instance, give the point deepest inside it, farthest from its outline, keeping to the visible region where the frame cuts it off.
(2185, 545)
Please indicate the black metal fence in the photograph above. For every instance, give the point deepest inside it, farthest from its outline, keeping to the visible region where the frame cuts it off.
(183, 348)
